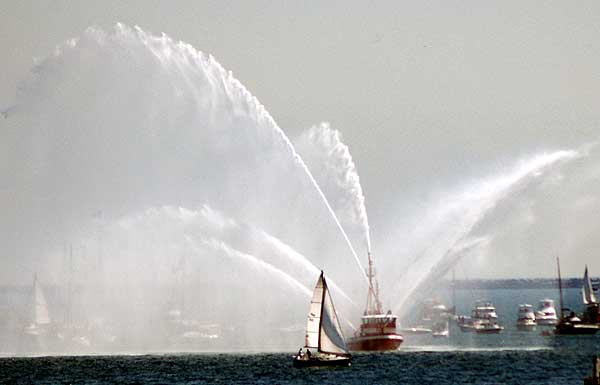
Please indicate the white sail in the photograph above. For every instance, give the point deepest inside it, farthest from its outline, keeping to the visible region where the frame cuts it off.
(323, 330)
(586, 290)
(332, 339)
(314, 316)
(41, 316)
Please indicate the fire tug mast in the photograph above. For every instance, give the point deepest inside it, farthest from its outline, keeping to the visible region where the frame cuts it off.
(377, 330)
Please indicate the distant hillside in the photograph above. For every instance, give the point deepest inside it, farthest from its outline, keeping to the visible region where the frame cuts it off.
(521, 283)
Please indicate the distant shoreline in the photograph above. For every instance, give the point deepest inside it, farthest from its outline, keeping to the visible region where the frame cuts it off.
(475, 283)
(520, 283)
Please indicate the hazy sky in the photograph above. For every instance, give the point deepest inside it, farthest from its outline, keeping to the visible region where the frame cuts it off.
(429, 95)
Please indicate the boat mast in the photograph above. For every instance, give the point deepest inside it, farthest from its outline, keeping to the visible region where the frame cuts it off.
(69, 297)
(322, 303)
(560, 288)
(35, 299)
(453, 292)
(373, 303)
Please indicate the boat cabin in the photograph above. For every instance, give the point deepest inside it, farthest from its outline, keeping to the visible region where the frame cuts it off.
(484, 310)
(378, 324)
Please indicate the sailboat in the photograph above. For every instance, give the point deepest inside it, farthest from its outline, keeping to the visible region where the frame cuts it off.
(377, 329)
(572, 324)
(592, 311)
(323, 333)
(41, 317)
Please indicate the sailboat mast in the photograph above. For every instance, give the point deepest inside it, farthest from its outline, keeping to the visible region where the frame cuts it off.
(453, 292)
(69, 307)
(35, 297)
(560, 288)
(322, 303)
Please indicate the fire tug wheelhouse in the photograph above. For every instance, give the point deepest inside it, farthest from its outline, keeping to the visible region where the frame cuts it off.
(377, 329)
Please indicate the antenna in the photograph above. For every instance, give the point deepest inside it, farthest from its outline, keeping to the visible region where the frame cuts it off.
(373, 302)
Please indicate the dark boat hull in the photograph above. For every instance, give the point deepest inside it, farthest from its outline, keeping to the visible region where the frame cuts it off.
(314, 361)
(375, 343)
(568, 328)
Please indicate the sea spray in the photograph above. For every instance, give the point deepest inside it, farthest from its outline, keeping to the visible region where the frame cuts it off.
(114, 145)
(231, 252)
(427, 284)
(292, 254)
(460, 213)
(197, 259)
(123, 121)
(323, 150)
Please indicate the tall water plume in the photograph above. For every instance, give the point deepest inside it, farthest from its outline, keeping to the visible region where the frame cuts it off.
(452, 221)
(323, 150)
(187, 206)
(117, 142)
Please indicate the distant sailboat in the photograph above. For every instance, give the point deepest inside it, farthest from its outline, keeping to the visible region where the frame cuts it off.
(572, 324)
(587, 292)
(323, 333)
(41, 317)
(592, 307)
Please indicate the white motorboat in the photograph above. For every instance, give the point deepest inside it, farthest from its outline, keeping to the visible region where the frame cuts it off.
(546, 313)
(526, 317)
(483, 319)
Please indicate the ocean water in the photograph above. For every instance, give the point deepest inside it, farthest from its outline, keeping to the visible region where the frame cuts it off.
(511, 357)
(560, 365)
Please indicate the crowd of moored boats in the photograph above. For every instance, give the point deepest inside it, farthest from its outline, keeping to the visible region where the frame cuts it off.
(378, 330)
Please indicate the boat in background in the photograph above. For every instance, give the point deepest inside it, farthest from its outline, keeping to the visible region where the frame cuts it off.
(441, 329)
(526, 317)
(377, 329)
(440, 325)
(41, 322)
(323, 333)
(592, 312)
(572, 324)
(483, 320)
(434, 320)
(546, 313)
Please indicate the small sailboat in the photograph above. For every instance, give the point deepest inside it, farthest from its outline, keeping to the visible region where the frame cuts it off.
(324, 342)
(41, 317)
(592, 307)
(572, 324)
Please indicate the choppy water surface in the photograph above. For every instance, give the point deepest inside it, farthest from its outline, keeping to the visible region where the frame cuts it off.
(566, 363)
(511, 357)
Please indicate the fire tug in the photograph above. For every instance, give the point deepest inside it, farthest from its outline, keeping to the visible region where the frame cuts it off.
(377, 329)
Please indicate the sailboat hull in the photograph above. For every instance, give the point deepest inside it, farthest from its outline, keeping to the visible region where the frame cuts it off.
(568, 328)
(303, 362)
